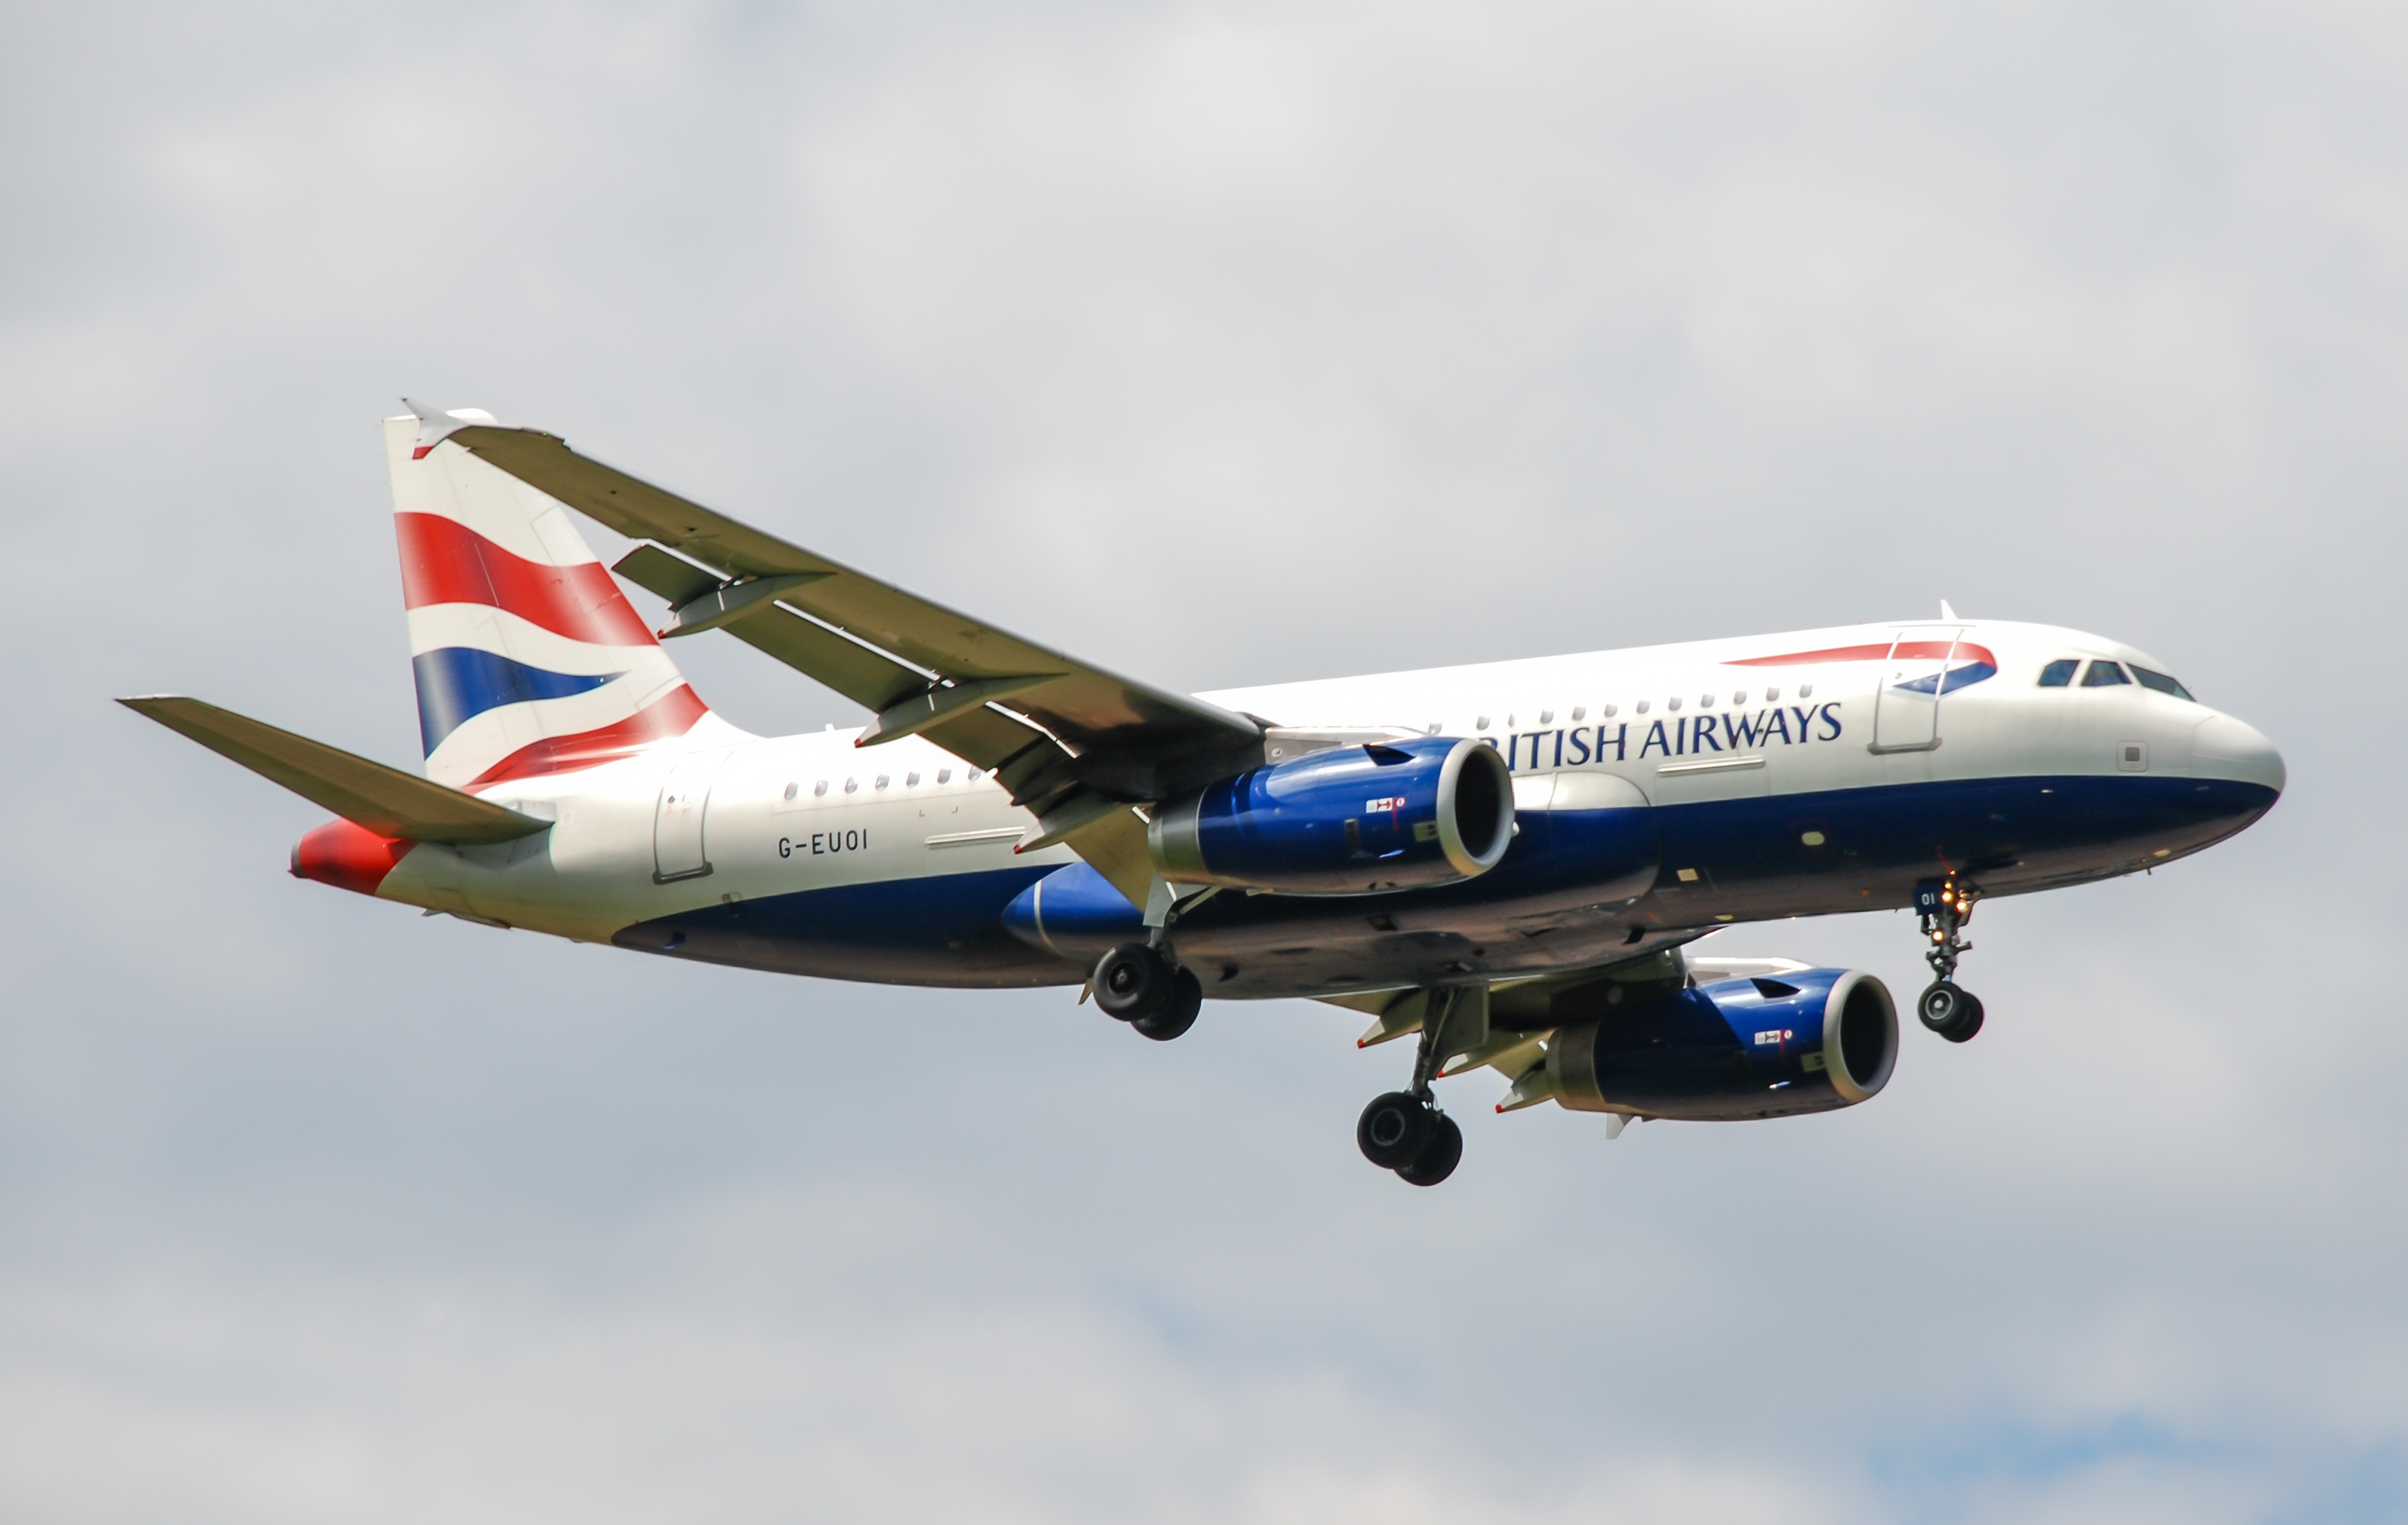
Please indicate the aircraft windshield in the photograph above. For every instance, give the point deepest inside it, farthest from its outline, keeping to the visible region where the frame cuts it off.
(2160, 682)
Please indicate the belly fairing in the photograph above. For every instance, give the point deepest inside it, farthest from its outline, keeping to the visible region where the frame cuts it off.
(943, 930)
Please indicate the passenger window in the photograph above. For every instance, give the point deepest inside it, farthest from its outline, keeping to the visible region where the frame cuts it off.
(2103, 675)
(2058, 675)
(2160, 682)
(944, 776)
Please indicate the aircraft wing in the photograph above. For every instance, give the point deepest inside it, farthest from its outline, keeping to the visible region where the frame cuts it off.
(1073, 743)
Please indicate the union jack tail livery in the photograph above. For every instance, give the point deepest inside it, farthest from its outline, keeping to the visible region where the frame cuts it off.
(529, 658)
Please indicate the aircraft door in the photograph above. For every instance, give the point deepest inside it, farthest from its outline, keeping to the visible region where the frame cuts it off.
(1906, 696)
(677, 848)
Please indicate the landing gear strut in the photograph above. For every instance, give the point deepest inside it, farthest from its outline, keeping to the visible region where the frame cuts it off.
(1135, 983)
(1404, 1130)
(1944, 906)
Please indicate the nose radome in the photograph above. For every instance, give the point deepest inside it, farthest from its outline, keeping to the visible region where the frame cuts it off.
(2223, 748)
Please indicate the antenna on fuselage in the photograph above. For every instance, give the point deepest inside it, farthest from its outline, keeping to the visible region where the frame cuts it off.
(1945, 612)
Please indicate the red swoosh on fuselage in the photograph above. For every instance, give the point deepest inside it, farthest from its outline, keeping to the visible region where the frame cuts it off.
(1904, 650)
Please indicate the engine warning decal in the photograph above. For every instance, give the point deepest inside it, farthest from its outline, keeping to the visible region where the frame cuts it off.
(1771, 1036)
(1381, 808)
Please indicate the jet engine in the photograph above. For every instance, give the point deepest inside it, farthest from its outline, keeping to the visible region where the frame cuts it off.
(1809, 1041)
(1347, 822)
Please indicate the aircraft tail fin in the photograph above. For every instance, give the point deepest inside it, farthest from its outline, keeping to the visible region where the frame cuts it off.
(529, 658)
(386, 801)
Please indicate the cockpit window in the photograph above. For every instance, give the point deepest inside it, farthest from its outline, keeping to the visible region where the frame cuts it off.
(2057, 674)
(2160, 682)
(2103, 675)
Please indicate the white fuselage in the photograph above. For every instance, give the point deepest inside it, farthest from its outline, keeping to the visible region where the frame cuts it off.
(1713, 737)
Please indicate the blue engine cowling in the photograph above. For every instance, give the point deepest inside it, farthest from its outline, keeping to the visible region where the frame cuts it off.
(1348, 822)
(1808, 1041)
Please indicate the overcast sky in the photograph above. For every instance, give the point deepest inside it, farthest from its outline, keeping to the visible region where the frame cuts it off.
(1224, 343)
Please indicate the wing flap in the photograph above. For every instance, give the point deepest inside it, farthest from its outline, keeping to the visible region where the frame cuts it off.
(869, 679)
(385, 800)
(672, 577)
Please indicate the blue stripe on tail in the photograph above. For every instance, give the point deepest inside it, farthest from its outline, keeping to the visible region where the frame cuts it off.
(458, 683)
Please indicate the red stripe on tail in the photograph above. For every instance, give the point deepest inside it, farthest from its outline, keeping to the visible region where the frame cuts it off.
(445, 562)
(673, 714)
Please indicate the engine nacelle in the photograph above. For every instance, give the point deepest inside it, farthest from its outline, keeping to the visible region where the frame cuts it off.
(1348, 822)
(1808, 1041)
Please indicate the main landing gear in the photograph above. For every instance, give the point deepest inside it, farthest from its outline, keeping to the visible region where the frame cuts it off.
(1944, 906)
(1135, 983)
(1404, 1130)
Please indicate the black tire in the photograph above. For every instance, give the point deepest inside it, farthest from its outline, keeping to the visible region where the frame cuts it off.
(1969, 1023)
(1394, 1128)
(1178, 1014)
(1439, 1157)
(1132, 981)
(1949, 1011)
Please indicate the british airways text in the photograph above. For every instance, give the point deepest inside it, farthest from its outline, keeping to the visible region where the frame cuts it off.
(1677, 735)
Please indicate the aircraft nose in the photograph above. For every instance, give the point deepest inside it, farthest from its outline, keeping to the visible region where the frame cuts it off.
(2223, 748)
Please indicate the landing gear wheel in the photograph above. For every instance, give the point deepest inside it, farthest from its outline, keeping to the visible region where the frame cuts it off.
(1439, 1157)
(1133, 980)
(1178, 1013)
(1972, 1021)
(1954, 1014)
(1395, 1128)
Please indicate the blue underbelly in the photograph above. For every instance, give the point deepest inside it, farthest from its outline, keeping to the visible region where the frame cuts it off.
(1577, 888)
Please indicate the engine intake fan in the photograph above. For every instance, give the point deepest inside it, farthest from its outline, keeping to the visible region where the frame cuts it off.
(1350, 821)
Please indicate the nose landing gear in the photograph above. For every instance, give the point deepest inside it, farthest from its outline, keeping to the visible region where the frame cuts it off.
(1944, 906)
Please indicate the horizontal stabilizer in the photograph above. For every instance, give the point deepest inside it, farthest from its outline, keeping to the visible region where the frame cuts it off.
(385, 800)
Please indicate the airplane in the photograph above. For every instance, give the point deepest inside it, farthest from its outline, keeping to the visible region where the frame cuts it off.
(1506, 862)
